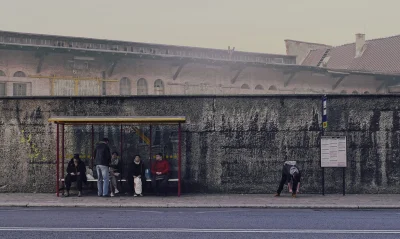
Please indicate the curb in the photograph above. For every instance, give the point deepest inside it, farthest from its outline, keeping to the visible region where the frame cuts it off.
(268, 206)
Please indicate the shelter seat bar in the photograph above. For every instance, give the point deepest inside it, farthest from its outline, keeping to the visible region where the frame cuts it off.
(118, 120)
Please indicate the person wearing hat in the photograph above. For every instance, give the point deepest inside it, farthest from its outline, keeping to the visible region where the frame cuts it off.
(76, 172)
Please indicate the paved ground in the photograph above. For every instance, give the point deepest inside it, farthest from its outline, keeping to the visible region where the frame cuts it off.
(351, 201)
(197, 223)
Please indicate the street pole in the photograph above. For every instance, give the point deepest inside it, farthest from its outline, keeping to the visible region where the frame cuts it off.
(324, 125)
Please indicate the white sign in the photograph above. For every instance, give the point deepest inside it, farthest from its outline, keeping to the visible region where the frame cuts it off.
(333, 151)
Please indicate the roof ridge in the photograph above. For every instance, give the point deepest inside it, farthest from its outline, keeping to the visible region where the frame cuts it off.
(314, 43)
(149, 44)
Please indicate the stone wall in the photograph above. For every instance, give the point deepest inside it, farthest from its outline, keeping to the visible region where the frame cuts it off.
(231, 144)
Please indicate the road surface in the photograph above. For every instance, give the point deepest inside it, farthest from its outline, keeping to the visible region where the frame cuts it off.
(196, 223)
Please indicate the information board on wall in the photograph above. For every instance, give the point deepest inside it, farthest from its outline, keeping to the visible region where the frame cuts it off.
(333, 152)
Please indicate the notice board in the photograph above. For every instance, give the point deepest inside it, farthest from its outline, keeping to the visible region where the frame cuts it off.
(333, 152)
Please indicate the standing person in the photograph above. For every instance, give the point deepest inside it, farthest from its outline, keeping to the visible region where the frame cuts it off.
(114, 173)
(139, 178)
(290, 173)
(76, 172)
(159, 178)
(102, 158)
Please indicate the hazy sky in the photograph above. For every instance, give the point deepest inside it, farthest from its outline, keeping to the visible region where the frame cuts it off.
(249, 25)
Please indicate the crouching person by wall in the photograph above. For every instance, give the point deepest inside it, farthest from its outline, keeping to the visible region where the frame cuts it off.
(291, 175)
(76, 172)
(159, 177)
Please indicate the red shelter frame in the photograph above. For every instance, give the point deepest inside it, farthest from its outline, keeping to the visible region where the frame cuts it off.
(112, 120)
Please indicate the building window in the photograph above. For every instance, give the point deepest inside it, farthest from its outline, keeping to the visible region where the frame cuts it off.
(245, 87)
(343, 92)
(19, 89)
(125, 86)
(259, 87)
(272, 87)
(159, 87)
(142, 87)
(19, 74)
(2, 89)
(2, 73)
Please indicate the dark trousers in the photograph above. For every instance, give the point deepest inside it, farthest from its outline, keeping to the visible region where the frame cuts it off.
(73, 178)
(285, 179)
(159, 183)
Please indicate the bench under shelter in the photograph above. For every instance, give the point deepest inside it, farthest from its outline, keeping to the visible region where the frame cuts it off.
(92, 121)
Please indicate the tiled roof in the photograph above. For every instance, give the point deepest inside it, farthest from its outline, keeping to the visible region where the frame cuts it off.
(380, 55)
(313, 57)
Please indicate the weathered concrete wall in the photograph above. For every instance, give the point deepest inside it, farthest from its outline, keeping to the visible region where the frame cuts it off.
(231, 144)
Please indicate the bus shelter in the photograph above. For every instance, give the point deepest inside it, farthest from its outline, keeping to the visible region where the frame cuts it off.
(63, 121)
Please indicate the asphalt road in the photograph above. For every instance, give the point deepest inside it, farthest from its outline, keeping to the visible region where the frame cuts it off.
(196, 223)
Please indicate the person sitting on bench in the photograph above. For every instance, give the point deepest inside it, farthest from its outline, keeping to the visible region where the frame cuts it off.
(139, 178)
(76, 172)
(291, 175)
(114, 173)
(159, 178)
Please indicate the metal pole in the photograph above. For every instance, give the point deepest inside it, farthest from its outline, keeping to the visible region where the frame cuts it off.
(151, 136)
(344, 181)
(92, 158)
(324, 125)
(57, 162)
(121, 149)
(179, 158)
(62, 152)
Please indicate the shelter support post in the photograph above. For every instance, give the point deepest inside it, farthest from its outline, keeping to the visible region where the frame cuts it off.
(179, 158)
(57, 161)
(62, 152)
(92, 158)
(151, 136)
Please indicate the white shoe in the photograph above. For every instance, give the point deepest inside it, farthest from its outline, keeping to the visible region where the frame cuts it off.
(116, 191)
(112, 195)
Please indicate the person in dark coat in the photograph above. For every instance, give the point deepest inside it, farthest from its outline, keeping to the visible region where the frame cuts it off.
(138, 171)
(76, 172)
(291, 175)
(103, 159)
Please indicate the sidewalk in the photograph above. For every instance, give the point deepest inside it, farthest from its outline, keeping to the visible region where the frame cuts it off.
(351, 201)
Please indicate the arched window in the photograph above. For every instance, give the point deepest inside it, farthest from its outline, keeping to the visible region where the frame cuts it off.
(2, 73)
(125, 86)
(245, 87)
(19, 74)
(272, 87)
(259, 87)
(355, 92)
(343, 92)
(159, 87)
(142, 87)
(366, 92)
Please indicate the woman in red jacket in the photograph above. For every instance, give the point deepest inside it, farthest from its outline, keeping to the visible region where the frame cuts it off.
(159, 172)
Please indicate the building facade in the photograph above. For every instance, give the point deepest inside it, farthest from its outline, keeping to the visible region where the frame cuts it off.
(41, 65)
